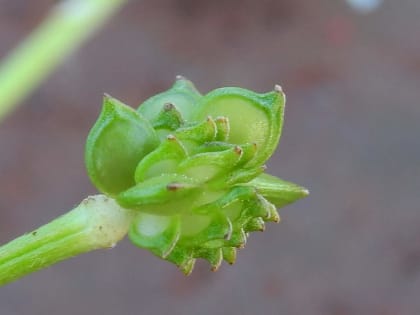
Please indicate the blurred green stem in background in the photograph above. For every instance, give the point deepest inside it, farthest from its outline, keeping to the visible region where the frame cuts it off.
(65, 28)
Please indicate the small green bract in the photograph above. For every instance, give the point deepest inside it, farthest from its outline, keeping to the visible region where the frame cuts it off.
(192, 167)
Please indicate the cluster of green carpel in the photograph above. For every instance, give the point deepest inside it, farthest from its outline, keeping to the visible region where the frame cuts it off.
(192, 168)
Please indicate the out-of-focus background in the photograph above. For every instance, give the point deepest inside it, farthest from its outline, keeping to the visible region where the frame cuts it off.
(351, 72)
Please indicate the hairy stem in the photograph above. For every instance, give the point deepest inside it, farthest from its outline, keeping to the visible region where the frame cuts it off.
(65, 28)
(98, 222)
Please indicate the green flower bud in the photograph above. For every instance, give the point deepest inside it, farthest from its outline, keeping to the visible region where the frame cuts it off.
(201, 189)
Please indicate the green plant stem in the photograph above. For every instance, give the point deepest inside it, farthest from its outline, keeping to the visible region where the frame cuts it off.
(97, 222)
(65, 28)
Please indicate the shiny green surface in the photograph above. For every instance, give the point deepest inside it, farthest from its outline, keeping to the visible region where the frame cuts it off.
(196, 181)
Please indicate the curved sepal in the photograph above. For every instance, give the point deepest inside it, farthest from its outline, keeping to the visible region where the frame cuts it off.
(278, 191)
(253, 118)
(165, 159)
(203, 167)
(213, 256)
(229, 254)
(223, 128)
(183, 95)
(159, 234)
(163, 195)
(119, 139)
(213, 146)
(273, 215)
(200, 228)
(241, 176)
(238, 239)
(197, 134)
(168, 120)
(254, 225)
(182, 258)
(196, 230)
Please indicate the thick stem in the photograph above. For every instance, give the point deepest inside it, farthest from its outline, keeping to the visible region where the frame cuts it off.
(97, 222)
(65, 28)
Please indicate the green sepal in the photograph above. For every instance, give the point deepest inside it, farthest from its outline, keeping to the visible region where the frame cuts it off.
(207, 166)
(164, 159)
(203, 167)
(258, 206)
(278, 191)
(119, 139)
(273, 215)
(187, 266)
(196, 230)
(237, 173)
(255, 224)
(197, 134)
(240, 176)
(200, 228)
(163, 195)
(182, 94)
(253, 118)
(249, 151)
(229, 254)
(213, 146)
(236, 194)
(214, 243)
(182, 258)
(169, 119)
(159, 234)
(252, 206)
(213, 256)
(238, 239)
(223, 128)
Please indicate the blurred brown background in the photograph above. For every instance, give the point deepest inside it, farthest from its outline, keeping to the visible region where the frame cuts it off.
(351, 136)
